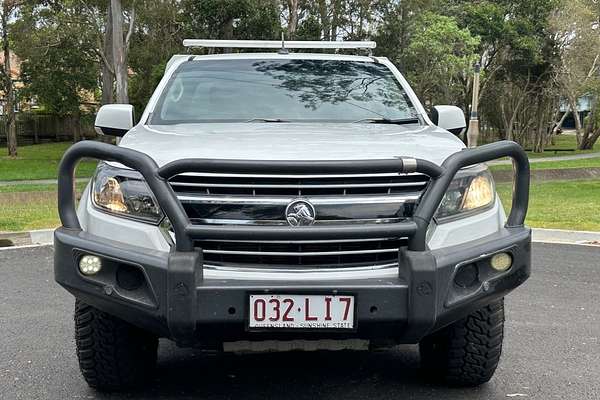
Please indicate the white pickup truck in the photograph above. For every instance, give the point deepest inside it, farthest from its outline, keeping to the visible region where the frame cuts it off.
(288, 200)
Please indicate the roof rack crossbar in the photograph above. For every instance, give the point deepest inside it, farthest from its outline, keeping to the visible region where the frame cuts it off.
(277, 44)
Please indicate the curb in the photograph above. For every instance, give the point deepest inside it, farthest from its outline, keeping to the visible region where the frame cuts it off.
(44, 237)
(566, 236)
(40, 237)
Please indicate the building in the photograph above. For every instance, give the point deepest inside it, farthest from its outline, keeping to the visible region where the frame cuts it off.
(584, 104)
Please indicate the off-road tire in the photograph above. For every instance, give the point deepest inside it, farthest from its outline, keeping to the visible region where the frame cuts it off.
(467, 352)
(113, 355)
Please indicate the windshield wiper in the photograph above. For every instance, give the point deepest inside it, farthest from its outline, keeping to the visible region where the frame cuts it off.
(400, 121)
(266, 120)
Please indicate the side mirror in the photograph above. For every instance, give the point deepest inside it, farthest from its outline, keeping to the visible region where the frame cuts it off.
(450, 118)
(114, 119)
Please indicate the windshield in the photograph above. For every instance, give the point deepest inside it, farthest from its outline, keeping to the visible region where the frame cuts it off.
(280, 91)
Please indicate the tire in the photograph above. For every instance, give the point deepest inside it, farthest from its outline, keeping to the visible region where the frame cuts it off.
(113, 355)
(467, 352)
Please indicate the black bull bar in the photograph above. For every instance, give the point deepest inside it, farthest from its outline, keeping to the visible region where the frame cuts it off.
(185, 268)
(185, 232)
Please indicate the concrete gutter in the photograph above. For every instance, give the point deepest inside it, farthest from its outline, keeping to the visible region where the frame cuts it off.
(39, 237)
(565, 236)
(45, 237)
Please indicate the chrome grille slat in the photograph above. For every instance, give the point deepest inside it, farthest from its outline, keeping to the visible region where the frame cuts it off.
(284, 200)
(274, 186)
(300, 254)
(299, 176)
(301, 241)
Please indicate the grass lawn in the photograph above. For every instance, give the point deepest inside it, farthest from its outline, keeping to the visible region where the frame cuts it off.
(28, 207)
(565, 142)
(38, 213)
(39, 162)
(560, 204)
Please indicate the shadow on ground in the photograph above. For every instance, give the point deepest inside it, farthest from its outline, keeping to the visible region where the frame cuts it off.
(390, 374)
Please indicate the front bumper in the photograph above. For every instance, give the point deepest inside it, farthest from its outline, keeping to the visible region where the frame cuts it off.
(173, 298)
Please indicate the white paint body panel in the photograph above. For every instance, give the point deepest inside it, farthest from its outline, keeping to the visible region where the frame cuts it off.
(291, 141)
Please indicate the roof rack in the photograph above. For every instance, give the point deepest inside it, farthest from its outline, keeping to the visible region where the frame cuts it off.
(279, 44)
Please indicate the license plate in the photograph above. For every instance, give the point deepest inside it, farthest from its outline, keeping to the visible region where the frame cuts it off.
(301, 311)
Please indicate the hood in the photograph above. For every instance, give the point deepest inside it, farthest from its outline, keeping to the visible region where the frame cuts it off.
(291, 141)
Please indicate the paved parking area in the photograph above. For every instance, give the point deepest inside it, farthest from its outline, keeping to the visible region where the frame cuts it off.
(552, 346)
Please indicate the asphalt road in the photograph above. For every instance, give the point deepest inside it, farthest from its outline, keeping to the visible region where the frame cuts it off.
(552, 346)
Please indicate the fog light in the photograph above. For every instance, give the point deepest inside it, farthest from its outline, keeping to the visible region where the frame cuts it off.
(501, 262)
(90, 265)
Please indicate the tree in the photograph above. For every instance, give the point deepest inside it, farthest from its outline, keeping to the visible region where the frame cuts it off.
(575, 26)
(106, 55)
(9, 7)
(120, 48)
(233, 19)
(393, 35)
(438, 54)
(518, 57)
(58, 67)
(292, 18)
(159, 32)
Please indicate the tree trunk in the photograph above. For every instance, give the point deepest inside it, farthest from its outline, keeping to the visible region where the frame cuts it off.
(292, 19)
(324, 19)
(228, 33)
(9, 111)
(591, 132)
(76, 126)
(335, 18)
(119, 52)
(560, 123)
(108, 78)
(575, 110)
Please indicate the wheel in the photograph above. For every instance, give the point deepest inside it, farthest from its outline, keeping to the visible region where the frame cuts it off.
(113, 355)
(467, 352)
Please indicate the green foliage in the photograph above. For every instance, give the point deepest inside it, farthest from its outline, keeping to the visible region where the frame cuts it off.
(234, 19)
(439, 52)
(57, 68)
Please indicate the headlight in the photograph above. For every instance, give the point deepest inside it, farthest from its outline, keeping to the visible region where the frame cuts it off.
(124, 193)
(471, 191)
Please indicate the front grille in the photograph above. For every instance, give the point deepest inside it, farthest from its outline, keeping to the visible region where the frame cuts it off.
(379, 184)
(243, 199)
